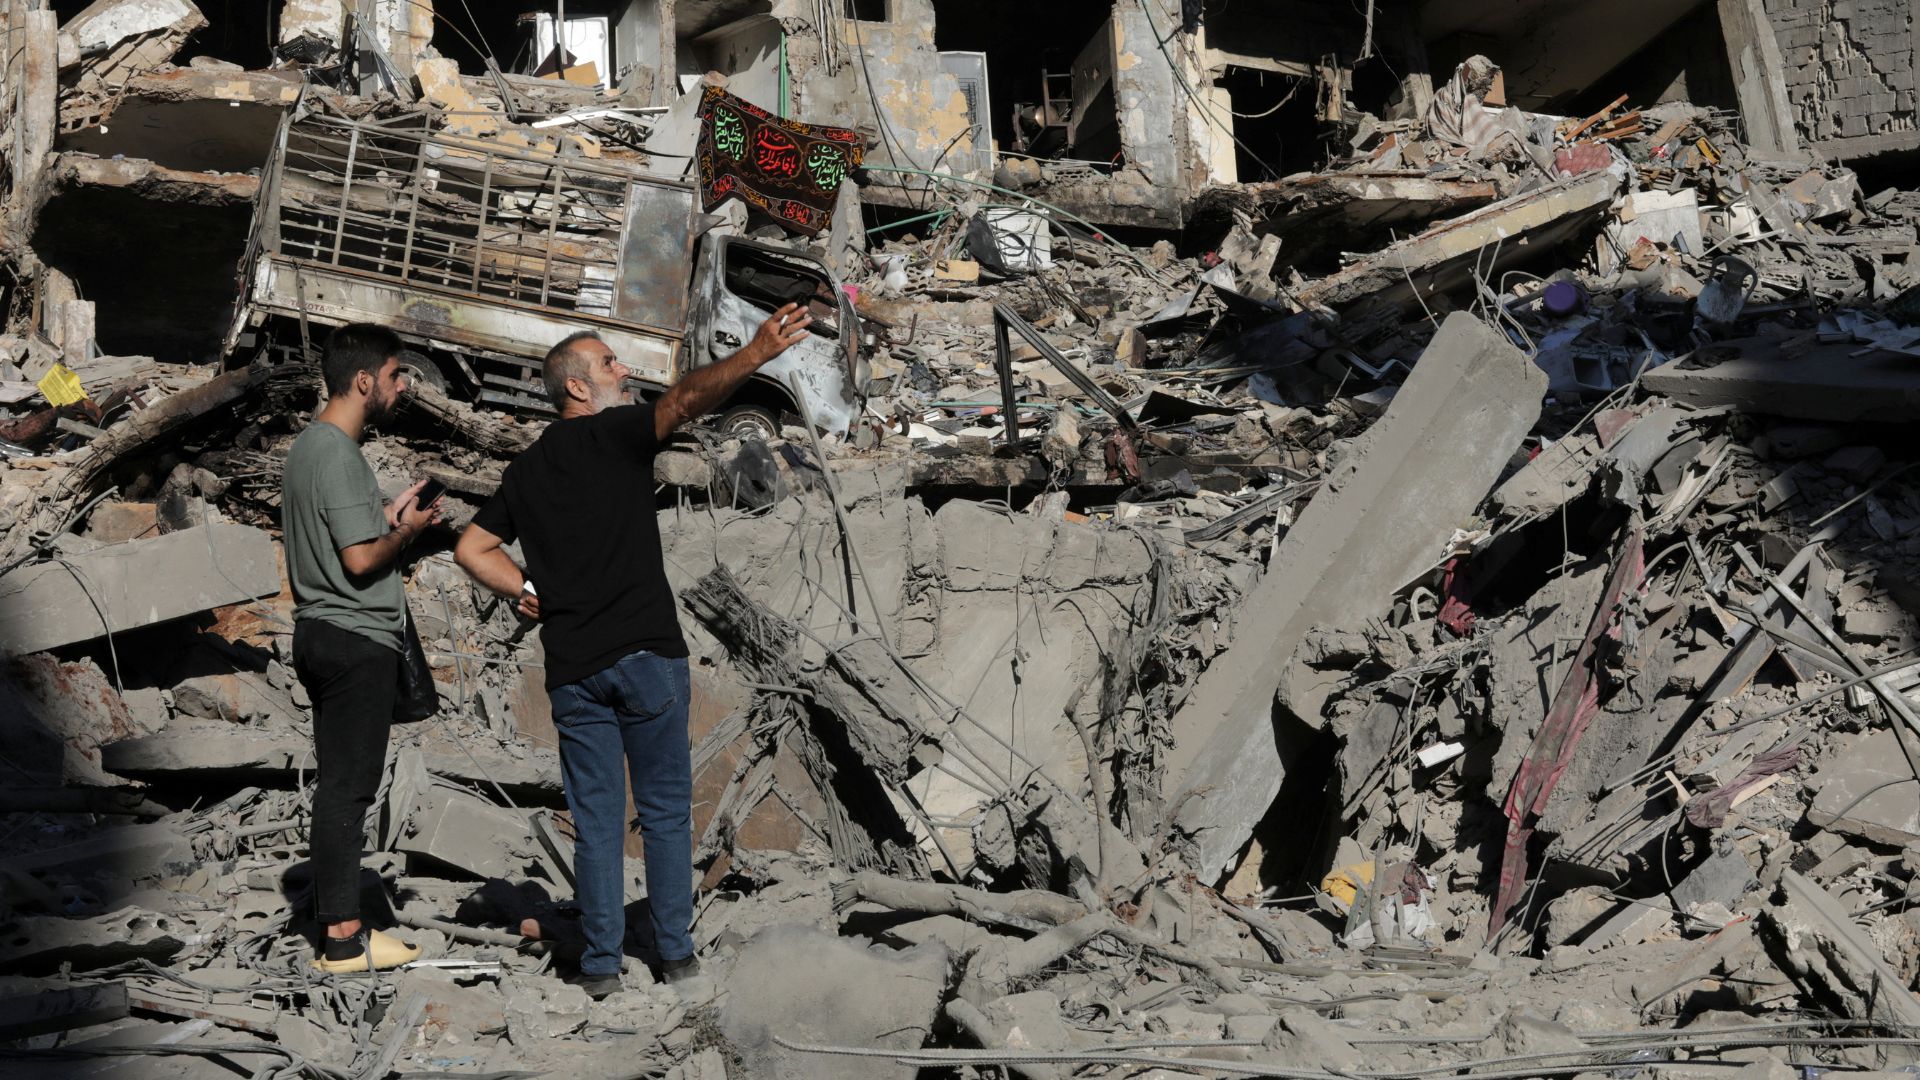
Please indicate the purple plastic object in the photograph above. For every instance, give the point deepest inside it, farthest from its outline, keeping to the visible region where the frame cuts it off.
(1565, 298)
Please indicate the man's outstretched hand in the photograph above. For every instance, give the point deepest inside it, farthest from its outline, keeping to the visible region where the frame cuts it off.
(784, 328)
(701, 390)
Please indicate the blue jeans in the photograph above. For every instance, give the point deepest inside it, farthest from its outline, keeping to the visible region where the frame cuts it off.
(632, 713)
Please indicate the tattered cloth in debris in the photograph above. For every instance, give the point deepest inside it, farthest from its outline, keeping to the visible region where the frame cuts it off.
(1710, 811)
(789, 170)
(1460, 113)
(1573, 707)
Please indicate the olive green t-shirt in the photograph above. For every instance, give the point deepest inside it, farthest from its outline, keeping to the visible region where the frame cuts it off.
(330, 501)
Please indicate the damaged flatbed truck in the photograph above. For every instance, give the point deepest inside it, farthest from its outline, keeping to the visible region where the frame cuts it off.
(481, 255)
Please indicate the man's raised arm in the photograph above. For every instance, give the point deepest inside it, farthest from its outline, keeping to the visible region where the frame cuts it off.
(701, 390)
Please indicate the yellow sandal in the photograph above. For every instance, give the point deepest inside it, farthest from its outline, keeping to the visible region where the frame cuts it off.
(379, 951)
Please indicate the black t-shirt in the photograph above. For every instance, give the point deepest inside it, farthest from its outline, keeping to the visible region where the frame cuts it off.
(580, 501)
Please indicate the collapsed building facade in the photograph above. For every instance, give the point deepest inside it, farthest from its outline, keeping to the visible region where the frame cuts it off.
(1310, 540)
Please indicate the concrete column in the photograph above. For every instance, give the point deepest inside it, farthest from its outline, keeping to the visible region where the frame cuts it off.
(38, 118)
(1759, 76)
(65, 319)
(666, 80)
(409, 32)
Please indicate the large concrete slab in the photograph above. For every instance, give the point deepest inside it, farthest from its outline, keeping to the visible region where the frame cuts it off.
(1835, 961)
(195, 751)
(1827, 382)
(1317, 212)
(1383, 518)
(123, 587)
(1868, 791)
(1484, 241)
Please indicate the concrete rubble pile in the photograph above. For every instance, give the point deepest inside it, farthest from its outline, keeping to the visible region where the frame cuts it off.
(1454, 609)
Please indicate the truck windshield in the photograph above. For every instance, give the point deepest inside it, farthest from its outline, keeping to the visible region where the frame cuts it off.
(768, 280)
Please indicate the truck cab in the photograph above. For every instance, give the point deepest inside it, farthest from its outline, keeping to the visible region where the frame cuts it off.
(481, 253)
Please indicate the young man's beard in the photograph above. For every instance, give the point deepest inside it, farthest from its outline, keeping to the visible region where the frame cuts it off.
(379, 411)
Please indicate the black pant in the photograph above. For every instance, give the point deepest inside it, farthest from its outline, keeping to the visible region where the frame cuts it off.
(353, 681)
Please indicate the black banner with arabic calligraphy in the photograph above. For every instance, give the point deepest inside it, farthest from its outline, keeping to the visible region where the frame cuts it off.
(787, 170)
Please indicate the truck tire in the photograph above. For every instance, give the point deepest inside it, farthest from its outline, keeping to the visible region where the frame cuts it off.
(750, 422)
(420, 370)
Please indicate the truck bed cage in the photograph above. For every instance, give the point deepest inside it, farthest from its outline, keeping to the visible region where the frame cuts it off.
(450, 214)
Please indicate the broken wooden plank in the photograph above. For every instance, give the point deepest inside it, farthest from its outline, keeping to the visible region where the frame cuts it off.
(1573, 132)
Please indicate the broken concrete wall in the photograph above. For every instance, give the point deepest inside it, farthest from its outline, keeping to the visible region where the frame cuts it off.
(1005, 615)
(1756, 68)
(1025, 610)
(405, 30)
(1849, 73)
(643, 39)
(122, 586)
(1174, 129)
(749, 54)
(921, 109)
(1167, 137)
(322, 20)
(402, 28)
(113, 39)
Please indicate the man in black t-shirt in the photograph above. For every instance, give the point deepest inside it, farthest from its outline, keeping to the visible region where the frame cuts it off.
(580, 501)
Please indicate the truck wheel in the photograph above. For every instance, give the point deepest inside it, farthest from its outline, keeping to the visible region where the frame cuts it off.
(750, 422)
(422, 371)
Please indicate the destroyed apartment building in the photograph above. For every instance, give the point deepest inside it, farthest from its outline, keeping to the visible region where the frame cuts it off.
(1369, 540)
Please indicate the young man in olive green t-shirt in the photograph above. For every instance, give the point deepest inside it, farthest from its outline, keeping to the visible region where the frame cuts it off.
(343, 551)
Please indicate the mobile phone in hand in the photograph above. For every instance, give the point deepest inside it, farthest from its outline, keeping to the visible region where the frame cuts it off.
(428, 494)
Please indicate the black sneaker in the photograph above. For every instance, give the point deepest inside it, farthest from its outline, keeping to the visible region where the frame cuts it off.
(691, 985)
(596, 986)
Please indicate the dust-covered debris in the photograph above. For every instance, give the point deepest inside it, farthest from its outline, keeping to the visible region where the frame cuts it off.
(1289, 549)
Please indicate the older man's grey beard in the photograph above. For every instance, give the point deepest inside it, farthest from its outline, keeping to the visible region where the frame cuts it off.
(606, 399)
